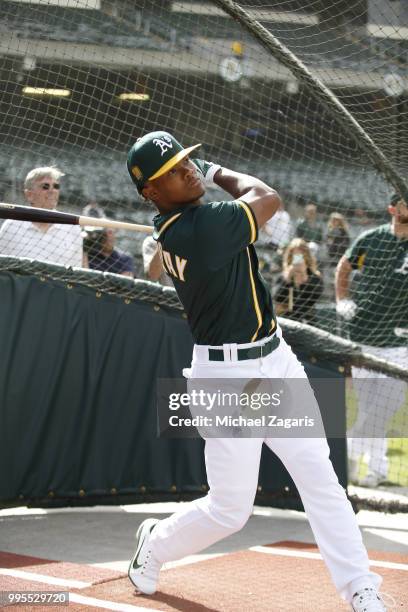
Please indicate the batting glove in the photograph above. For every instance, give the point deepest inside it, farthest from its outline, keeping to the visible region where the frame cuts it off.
(346, 308)
(207, 170)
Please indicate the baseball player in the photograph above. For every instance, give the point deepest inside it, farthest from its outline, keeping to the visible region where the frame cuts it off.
(208, 251)
(378, 318)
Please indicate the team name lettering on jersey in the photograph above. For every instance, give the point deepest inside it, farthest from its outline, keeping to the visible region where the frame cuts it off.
(173, 264)
(404, 266)
(164, 144)
(181, 264)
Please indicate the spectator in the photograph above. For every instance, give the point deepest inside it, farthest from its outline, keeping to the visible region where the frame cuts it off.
(99, 245)
(93, 210)
(152, 263)
(279, 229)
(300, 284)
(337, 237)
(50, 242)
(309, 228)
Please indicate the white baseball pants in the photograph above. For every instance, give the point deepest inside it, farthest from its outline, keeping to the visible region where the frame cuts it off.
(232, 470)
(379, 398)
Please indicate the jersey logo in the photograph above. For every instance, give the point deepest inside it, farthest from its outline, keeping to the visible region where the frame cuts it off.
(173, 265)
(404, 266)
(164, 143)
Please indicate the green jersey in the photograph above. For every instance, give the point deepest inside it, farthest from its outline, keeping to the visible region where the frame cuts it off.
(381, 292)
(207, 249)
(310, 233)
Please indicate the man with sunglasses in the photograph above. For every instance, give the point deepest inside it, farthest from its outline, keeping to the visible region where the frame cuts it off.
(54, 243)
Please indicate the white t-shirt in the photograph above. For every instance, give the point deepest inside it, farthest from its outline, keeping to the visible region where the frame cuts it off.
(279, 228)
(149, 250)
(60, 244)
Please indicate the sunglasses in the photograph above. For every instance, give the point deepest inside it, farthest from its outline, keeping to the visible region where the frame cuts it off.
(47, 186)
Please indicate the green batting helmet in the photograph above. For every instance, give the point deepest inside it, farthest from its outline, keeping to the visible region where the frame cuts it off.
(153, 155)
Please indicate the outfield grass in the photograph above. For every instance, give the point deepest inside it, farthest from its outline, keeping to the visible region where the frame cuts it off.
(397, 452)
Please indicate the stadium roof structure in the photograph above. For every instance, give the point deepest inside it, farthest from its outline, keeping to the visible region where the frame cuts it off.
(62, 34)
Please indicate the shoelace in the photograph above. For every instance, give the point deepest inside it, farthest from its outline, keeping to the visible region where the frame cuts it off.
(147, 557)
(154, 565)
(370, 595)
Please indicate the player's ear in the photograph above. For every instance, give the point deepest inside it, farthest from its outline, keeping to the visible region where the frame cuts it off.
(391, 209)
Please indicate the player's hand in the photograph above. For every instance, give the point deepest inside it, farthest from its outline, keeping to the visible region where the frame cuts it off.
(346, 308)
(207, 170)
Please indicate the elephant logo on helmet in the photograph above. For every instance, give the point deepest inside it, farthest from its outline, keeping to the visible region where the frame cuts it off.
(164, 143)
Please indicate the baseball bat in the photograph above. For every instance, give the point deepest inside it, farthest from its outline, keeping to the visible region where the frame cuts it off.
(42, 215)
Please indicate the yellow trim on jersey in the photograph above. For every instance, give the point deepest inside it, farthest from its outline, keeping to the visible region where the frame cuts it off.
(360, 261)
(256, 304)
(168, 222)
(249, 214)
(273, 325)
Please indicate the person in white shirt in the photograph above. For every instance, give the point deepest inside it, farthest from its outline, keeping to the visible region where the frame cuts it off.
(152, 263)
(49, 242)
(279, 229)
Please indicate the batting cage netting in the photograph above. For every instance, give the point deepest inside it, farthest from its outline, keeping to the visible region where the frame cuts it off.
(309, 96)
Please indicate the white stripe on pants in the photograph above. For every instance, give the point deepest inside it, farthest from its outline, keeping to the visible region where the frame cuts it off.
(232, 470)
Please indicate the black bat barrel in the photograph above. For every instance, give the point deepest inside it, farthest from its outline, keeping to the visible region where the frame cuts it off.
(38, 215)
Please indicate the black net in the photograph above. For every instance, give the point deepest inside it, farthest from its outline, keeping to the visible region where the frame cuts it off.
(81, 80)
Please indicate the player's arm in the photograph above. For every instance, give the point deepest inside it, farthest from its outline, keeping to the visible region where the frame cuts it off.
(353, 259)
(152, 262)
(155, 268)
(345, 307)
(343, 272)
(263, 200)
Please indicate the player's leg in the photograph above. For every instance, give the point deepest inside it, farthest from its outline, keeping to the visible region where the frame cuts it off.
(232, 466)
(379, 397)
(391, 396)
(367, 387)
(330, 513)
(232, 471)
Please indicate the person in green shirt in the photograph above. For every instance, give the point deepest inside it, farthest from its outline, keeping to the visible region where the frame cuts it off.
(309, 228)
(208, 250)
(377, 318)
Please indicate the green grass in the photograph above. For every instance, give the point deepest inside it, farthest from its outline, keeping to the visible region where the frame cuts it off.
(397, 452)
